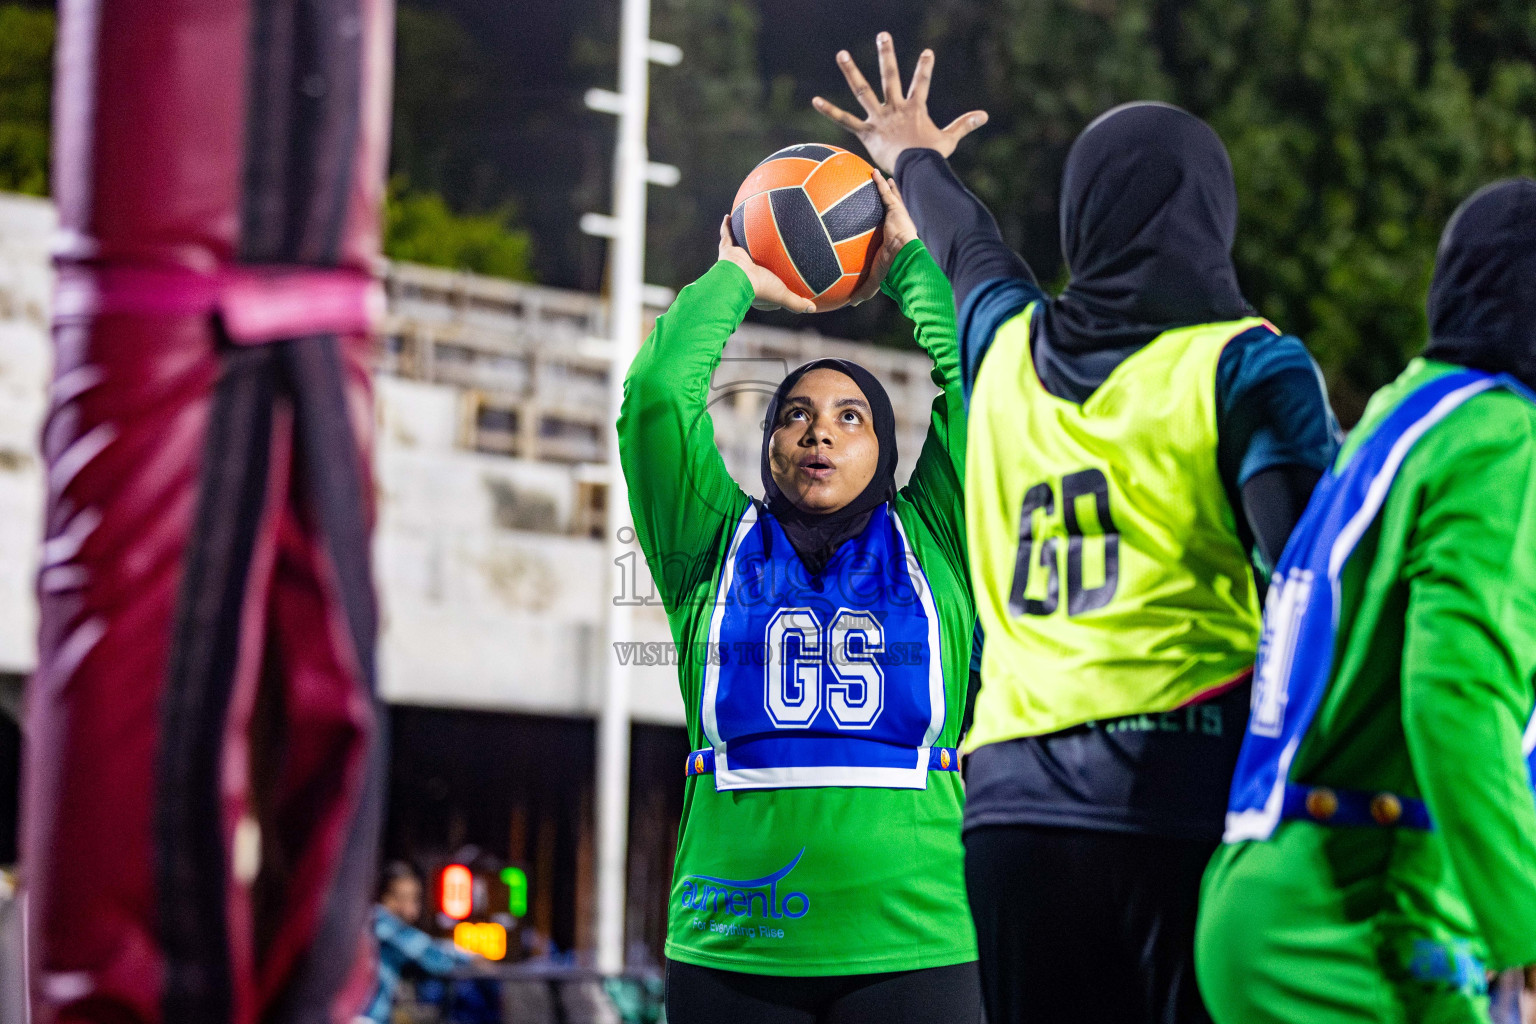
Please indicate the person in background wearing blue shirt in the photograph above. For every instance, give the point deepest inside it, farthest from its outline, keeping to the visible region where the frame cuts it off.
(401, 943)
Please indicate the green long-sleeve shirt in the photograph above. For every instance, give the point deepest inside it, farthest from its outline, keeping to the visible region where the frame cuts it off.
(882, 868)
(1432, 687)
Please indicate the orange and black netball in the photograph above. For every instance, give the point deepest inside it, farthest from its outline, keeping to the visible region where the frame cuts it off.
(811, 214)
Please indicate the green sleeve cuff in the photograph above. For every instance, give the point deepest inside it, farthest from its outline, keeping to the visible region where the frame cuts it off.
(727, 283)
(901, 267)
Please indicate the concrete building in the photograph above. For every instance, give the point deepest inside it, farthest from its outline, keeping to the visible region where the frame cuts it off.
(491, 471)
(26, 226)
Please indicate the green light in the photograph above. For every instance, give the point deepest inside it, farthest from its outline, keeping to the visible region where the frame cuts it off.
(516, 880)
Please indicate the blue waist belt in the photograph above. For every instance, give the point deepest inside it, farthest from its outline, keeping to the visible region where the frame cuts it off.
(940, 759)
(1329, 806)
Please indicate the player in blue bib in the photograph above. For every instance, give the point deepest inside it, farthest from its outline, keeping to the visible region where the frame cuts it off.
(824, 633)
(1380, 852)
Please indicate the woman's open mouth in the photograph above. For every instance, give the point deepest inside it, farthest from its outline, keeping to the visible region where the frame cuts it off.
(817, 467)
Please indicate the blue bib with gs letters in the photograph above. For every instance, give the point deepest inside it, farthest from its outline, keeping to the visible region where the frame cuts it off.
(832, 680)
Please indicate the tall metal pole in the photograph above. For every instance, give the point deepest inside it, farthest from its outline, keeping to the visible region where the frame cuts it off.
(627, 287)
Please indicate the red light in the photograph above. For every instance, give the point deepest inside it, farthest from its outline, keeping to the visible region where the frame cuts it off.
(458, 887)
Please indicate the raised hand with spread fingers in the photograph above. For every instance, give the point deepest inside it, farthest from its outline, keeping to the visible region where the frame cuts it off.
(900, 121)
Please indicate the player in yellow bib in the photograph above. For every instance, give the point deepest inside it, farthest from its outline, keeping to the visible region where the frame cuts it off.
(1138, 445)
(1115, 580)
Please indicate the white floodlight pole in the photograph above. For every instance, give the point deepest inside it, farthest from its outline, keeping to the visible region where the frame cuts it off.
(626, 228)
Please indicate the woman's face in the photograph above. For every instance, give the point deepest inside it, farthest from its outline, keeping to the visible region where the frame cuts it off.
(823, 451)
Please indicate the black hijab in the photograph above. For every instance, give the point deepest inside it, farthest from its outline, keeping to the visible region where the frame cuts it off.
(1148, 218)
(817, 536)
(1482, 302)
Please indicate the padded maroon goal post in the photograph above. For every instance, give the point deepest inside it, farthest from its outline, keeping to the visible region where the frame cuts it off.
(202, 776)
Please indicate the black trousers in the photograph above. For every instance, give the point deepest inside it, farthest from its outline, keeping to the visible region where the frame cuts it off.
(704, 995)
(1084, 926)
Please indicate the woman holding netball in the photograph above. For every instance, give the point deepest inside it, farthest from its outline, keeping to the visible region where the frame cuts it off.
(824, 633)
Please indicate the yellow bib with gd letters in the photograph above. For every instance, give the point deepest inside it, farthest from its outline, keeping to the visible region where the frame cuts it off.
(1105, 558)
